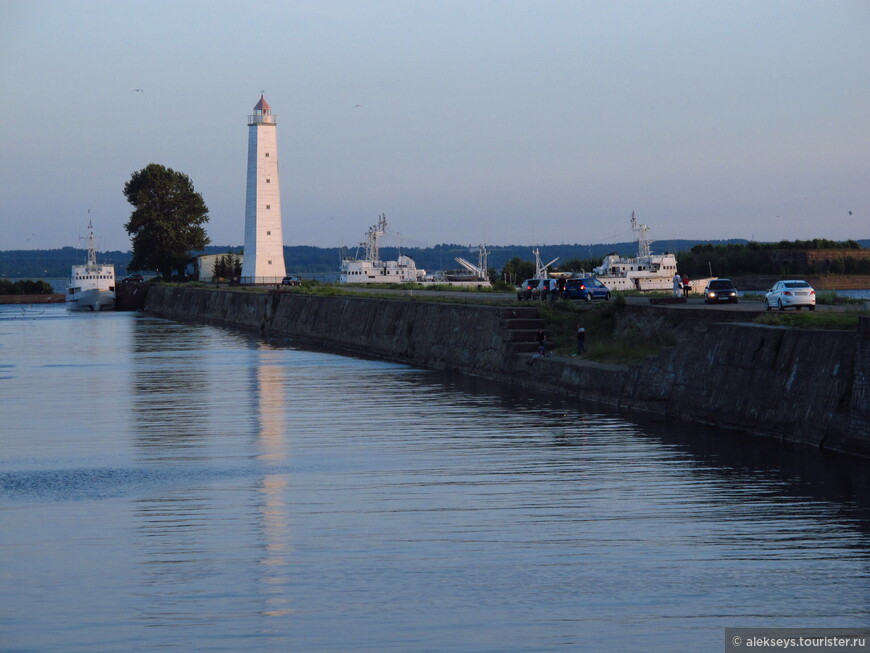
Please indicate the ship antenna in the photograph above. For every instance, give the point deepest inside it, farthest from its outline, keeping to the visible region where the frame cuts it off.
(92, 252)
(643, 249)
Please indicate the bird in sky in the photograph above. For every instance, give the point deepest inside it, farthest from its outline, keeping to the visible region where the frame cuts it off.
(138, 90)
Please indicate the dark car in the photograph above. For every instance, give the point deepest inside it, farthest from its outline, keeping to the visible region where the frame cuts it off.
(587, 288)
(290, 281)
(525, 290)
(719, 291)
(133, 278)
(546, 289)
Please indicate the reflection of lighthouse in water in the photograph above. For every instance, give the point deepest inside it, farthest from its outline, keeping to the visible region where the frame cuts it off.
(268, 398)
(264, 245)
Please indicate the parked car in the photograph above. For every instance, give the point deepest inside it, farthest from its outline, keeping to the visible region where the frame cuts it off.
(719, 291)
(290, 281)
(525, 290)
(791, 293)
(133, 278)
(546, 289)
(587, 288)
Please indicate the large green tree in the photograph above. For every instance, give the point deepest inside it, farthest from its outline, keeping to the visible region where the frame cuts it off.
(516, 271)
(166, 223)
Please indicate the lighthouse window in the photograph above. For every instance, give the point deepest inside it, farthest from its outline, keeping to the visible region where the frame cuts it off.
(270, 262)
(267, 155)
(268, 181)
(268, 233)
(268, 206)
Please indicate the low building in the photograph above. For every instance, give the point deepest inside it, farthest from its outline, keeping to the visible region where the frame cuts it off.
(205, 265)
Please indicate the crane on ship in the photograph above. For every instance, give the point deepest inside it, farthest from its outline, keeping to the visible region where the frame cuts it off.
(478, 270)
(542, 271)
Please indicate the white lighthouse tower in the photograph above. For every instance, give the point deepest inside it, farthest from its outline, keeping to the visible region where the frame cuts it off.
(264, 245)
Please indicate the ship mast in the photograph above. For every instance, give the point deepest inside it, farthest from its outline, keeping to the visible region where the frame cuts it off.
(373, 236)
(92, 250)
(482, 260)
(643, 244)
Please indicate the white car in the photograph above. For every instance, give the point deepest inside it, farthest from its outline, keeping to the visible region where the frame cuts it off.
(791, 293)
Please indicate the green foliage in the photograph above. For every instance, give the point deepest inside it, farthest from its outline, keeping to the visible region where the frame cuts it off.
(515, 271)
(585, 265)
(451, 288)
(53, 263)
(810, 320)
(166, 223)
(307, 259)
(25, 287)
(734, 259)
(604, 342)
(502, 286)
(228, 266)
(830, 297)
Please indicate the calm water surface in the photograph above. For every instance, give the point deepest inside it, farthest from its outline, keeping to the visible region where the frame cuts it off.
(191, 488)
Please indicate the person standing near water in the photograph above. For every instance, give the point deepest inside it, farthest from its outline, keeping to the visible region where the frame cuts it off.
(678, 285)
(581, 339)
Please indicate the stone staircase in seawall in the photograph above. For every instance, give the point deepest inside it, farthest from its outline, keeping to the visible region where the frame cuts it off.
(519, 328)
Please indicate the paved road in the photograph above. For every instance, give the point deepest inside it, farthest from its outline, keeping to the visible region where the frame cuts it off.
(692, 303)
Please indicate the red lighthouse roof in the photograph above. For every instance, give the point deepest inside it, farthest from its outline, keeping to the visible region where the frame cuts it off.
(263, 106)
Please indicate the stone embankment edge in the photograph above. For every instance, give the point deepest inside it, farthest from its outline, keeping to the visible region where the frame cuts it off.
(50, 298)
(804, 386)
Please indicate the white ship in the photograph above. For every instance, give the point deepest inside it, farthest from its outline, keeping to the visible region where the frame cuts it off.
(91, 286)
(647, 271)
(371, 269)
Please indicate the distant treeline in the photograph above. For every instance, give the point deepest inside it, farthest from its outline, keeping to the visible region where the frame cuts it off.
(53, 263)
(729, 257)
(25, 287)
(817, 256)
(816, 243)
(56, 263)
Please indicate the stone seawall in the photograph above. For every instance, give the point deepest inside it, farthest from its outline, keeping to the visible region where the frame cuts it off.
(805, 386)
(52, 298)
(429, 334)
(784, 383)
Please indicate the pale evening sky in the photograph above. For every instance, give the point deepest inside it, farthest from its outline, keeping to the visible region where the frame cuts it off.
(464, 121)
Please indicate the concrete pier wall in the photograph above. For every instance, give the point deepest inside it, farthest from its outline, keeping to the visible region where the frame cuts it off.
(805, 386)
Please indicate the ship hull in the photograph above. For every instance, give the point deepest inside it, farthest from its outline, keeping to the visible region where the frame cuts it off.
(648, 284)
(91, 300)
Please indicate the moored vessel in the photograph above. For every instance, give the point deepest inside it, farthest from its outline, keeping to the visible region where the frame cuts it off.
(371, 269)
(91, 286)
(647, 271)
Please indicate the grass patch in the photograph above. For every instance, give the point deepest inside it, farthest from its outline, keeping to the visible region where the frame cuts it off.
(831, 298)
(423, 287)
(823, 297)
(413, 293)
(810, 320)
(605, 343)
